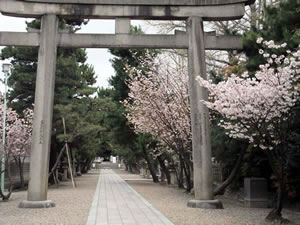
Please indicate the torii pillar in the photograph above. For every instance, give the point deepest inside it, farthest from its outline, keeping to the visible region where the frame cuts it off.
(203, 183)
(43, 110)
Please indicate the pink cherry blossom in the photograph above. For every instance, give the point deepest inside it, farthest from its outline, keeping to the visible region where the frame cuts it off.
(18, 132)
(255, 107)
(158, 101)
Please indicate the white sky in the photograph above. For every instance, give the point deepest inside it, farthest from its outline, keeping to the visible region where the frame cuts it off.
(99, 58)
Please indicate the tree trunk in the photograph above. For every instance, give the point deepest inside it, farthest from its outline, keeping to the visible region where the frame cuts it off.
(150, 166)
(187, 171)
(85, 166)
(21, 172)
(179, 176)
(129, 168)
(57, 161)
(19, 165)
(89, 165)
(53, 156)
(222, 187)
(277, 168)
(164, 168)
(188, 181)
(4, 196)
(275, 214)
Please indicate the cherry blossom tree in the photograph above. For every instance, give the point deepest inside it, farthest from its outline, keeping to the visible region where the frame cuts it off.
(258, 108)
(158, 104)
(17, 138)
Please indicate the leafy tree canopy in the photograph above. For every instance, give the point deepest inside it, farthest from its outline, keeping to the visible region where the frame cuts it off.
(280, 23)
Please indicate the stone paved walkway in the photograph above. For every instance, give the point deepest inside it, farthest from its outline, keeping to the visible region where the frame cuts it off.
(116, 203)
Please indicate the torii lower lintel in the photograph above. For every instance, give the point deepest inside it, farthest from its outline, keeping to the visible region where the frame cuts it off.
(72, 40)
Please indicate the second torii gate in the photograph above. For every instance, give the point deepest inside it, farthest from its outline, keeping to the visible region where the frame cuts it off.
(49, 38)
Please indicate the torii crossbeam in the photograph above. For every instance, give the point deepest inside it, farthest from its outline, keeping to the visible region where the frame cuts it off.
(49, 38)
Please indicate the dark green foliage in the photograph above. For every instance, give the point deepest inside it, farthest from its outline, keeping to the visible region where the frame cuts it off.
(293, 155)
(281, 24)
(72, 74)
(120, 130)
(124, 58)
(85, 132)
(251, 49)
(72, 99)
(22, 78)
(122, 139)
(126, 143)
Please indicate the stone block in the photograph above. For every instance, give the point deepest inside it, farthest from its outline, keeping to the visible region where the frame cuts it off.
(205, 204)
(173, 178)
(36, 204)
(142, 172)
(65, 174)
(148, 174)
(256, 195)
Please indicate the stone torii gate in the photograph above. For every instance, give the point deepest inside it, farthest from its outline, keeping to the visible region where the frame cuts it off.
(49, 38)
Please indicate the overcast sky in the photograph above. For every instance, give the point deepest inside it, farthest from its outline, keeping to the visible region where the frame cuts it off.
(99, 58)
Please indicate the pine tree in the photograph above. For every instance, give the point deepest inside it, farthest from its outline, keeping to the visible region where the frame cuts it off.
(281, 24)
(127, 143)
(74, 78)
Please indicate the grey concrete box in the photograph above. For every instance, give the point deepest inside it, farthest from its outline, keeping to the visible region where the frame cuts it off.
(142, 172)
(173, 177)
(256, 195)
(147, 174)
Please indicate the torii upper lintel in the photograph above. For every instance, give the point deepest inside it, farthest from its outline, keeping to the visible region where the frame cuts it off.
(146, 2)
(134, 9)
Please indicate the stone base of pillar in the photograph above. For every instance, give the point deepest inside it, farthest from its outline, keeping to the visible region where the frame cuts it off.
(36, 204)
(205, 204)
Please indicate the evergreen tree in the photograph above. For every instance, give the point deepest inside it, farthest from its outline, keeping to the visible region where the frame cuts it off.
(84, 124)
(74, 78)
(130, 146)
(281, 24)
(73, 75)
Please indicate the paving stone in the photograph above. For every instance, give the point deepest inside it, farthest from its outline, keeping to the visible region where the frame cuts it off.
(116, 203)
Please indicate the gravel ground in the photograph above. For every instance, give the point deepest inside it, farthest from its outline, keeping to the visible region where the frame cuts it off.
(172, 201)
(72, 205)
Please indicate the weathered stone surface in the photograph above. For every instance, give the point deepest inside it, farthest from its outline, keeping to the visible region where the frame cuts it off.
(43, 108)
(173, 178)
(121, 40)
(162, 12)
(203, 183)
(205, 204)
(19, 39)
(256, 194)
(122, 26)
(36, 204)
(145, 2)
